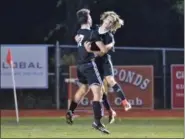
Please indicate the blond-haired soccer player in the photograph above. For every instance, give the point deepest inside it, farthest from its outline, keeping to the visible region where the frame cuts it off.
(111, 22)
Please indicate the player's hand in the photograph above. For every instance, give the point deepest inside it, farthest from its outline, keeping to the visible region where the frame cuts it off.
(87, 46)
(99, 54)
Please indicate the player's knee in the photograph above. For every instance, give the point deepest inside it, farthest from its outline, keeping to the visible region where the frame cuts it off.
(81, 92)
(110, 80)
(97, 95)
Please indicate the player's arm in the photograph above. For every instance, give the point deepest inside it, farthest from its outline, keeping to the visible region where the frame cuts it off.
(110, 45)
(93, 39)
(87, 46)
(105, 48)
(78, 39)
(103, 51)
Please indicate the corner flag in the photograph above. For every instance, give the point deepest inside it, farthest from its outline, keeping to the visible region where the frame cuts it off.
(9, 61)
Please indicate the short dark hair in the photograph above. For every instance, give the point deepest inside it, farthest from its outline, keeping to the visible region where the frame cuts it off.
(82, 16)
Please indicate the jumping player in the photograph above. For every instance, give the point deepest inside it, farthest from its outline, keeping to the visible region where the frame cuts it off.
(110, 23)
(87, 70)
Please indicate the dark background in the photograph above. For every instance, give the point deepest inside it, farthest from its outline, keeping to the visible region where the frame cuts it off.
(154, 23)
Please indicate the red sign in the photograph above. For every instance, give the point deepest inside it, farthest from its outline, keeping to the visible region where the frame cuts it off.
(177, 86)
(136, 82)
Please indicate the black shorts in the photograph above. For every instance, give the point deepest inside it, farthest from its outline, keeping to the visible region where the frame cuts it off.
(105, 66)
(88, 74)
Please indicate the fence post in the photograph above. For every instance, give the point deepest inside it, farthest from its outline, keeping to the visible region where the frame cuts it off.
(57, 74)
(164, 75)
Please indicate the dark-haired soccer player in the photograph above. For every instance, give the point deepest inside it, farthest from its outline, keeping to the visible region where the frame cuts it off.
(87, 70)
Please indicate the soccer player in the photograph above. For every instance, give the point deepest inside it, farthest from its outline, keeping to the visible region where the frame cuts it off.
(111, 22)
(87, 70)
(82, 91)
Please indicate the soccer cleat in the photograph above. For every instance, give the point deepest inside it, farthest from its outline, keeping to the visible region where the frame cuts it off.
(112, 115)
(126, 105)
(69, 117)
(100, 127)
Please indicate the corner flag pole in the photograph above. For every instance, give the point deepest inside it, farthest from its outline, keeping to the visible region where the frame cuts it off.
(9, 60)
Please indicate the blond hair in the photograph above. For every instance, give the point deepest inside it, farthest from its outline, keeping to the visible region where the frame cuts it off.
(117, 23)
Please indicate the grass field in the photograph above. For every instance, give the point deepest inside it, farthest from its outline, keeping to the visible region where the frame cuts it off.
(122, 128)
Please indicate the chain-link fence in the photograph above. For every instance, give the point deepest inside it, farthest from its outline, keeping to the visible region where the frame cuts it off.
(50, 98)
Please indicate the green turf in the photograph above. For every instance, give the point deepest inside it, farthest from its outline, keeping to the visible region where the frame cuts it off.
(122, 128)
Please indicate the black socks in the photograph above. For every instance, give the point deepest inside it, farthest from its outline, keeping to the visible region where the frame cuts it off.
(97, 111)
(119, 91)
(73, 106)
(106, 102)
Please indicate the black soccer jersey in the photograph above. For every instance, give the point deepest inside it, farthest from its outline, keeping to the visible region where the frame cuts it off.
(106, 38)
(85, 35)
(104, 63)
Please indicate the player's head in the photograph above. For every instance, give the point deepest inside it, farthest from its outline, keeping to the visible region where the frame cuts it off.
(84, 17)
(111, 21)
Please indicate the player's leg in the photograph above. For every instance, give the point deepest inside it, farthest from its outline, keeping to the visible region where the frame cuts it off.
(95, 82)
(106, 103)
(109, 76)
(120, 93)
(81, 92)
(104, 97)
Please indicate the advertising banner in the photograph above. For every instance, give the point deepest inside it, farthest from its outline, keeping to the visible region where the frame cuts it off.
(177, 86)
(30, 66)
(136, 81)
